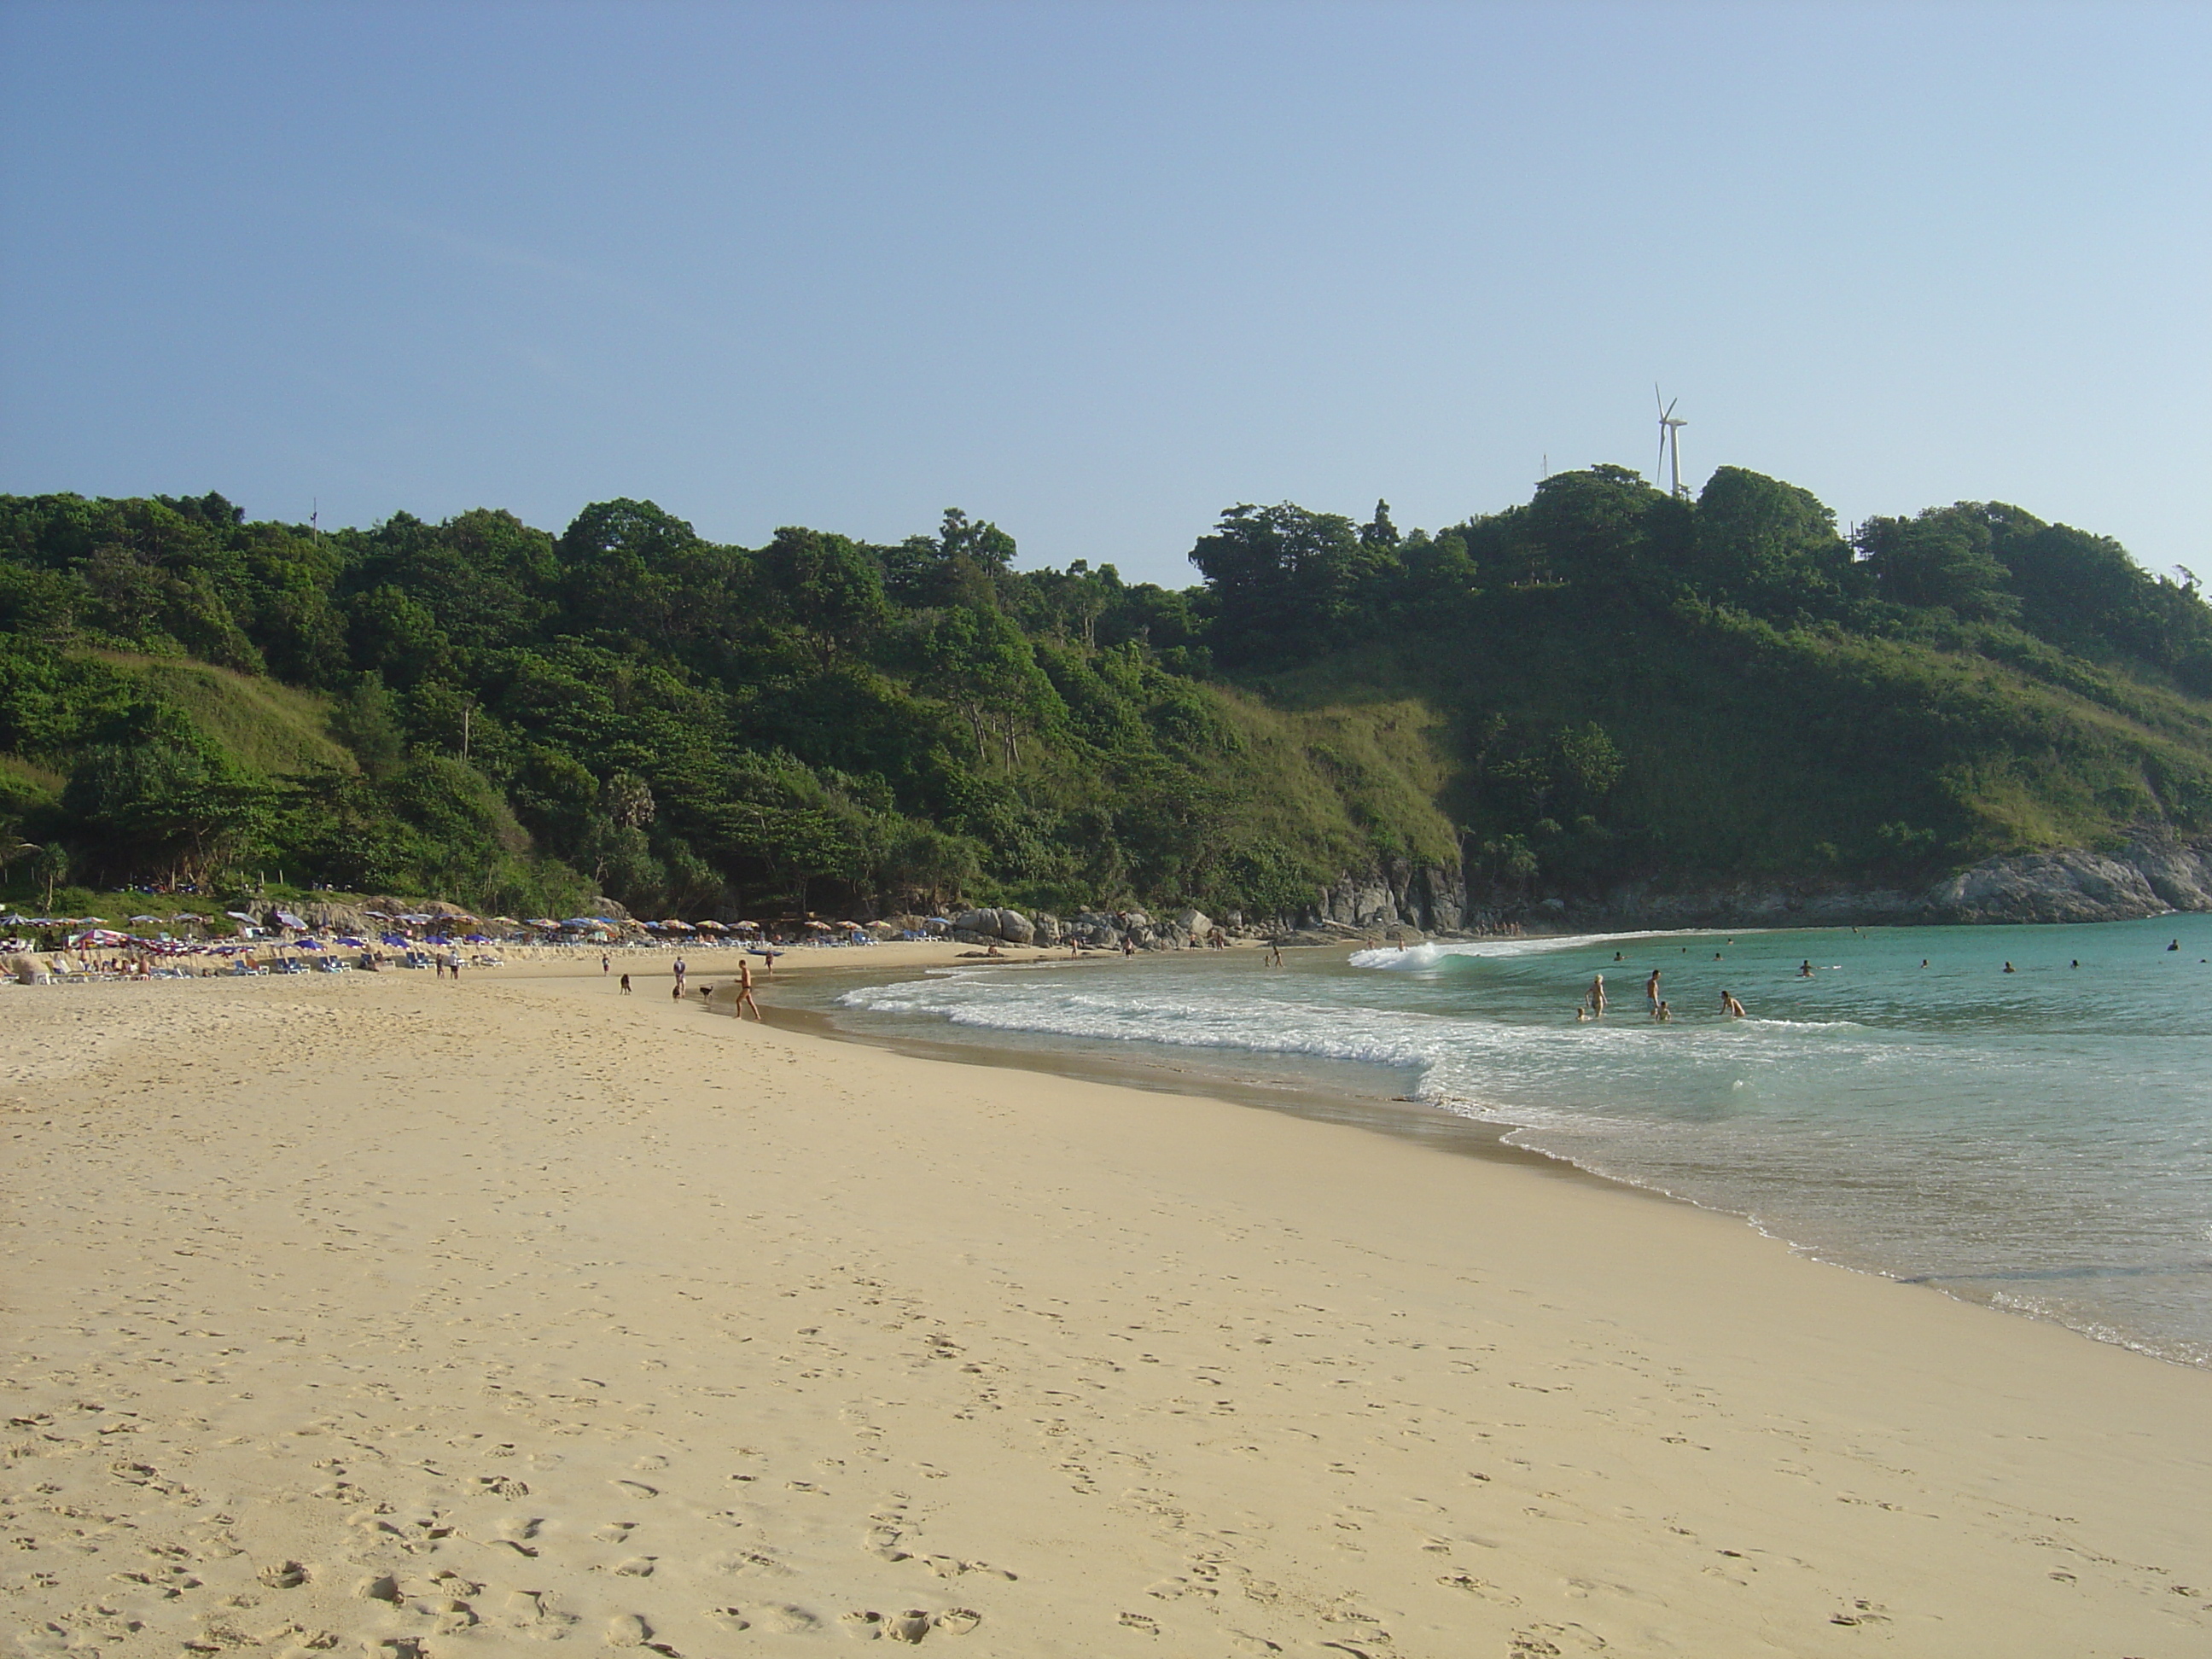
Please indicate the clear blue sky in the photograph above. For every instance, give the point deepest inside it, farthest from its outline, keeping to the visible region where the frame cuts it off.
(1098, 270)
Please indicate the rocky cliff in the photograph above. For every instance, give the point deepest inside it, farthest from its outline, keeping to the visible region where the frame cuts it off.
(2147, 875)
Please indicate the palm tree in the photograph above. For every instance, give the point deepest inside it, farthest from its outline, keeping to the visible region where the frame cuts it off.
(54, 865)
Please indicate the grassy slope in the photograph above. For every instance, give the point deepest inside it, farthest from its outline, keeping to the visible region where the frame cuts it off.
(1347, 781)
(273, 728)
(1754, 751)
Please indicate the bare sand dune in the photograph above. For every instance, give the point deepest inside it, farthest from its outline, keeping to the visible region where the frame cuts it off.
(386, 1314)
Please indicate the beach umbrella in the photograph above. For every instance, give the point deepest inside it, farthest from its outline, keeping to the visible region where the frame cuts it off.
(675, 927)
(11, 920)
(541, 921)
(356, 944)
(143, 920)
(240, 916)
(308, 945)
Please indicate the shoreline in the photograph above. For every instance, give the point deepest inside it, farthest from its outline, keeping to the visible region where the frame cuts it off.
(431, 1320)
(1424, 1121)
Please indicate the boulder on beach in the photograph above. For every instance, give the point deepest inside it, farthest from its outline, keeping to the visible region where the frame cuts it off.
(1010, 926)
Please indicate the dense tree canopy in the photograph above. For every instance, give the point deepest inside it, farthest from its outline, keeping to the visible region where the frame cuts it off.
(1604, 682)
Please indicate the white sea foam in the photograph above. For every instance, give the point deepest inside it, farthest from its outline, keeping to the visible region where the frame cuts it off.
(1429, 954)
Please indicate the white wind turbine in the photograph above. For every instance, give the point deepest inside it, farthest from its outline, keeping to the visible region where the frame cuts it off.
(1670, 441)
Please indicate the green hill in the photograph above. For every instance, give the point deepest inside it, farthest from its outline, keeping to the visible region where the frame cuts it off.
(1600, 686)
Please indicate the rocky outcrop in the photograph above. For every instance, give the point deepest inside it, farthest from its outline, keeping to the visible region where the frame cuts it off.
(1010, 926)
(1392, 894)
(2144, 878)
(2146, 875)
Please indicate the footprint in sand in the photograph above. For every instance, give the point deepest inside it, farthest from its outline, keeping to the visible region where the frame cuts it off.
(286, 1575)
(1481, 1586)
(782, 1618)
(615, 1531)
(636, 1488)
(626, 1629)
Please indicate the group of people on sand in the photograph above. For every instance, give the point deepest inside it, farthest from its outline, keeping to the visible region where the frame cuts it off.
(1595, 1002)
(681, 971)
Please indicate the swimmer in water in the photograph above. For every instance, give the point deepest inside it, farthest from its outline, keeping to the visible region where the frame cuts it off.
(1597, 997)
(1731, 1006)
(2009, 968)
(1665, 1015)
(1582, 1014)
(2076, 963)
(1805, 969)
(1923, 961)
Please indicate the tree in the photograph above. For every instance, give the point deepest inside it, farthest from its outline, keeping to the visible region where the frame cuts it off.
(830, 588)
(13, 849)
(1941, 557)
(1767, 546)
(1288, 583)
(54, 868)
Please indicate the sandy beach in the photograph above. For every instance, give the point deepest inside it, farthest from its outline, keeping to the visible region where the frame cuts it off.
(382, 1314)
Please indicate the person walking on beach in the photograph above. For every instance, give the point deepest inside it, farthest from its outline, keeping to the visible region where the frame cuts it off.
(1596, 998)
(745, 993)
(679, 975)
(1274, 953)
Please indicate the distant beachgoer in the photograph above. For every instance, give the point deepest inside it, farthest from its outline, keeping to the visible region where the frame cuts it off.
(1651, 990)
(1923, 961)
(1731, 1006)
(745, 993)
(1666, 1014)
(1805, 969)
(1129, 945)
(1596, 997)
(1582, 1014)
(1717, 956)
(2176, 946)
(1616, 956)
(605, 962)
(625, 984)
(2076, 963)
(1274, 953)
(2009, 968)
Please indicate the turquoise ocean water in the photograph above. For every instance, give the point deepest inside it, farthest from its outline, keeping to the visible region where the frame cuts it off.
(2040, 1140)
